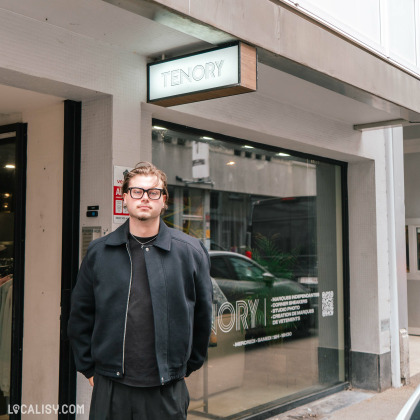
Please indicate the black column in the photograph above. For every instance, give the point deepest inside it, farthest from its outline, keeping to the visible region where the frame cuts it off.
(70, 247)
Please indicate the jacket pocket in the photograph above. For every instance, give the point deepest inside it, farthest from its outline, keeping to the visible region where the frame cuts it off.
(190, 337)
(180, 339)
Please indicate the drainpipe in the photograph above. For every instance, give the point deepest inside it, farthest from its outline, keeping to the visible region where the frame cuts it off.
(392, 255)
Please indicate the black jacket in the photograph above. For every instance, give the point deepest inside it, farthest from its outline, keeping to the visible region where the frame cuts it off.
(181, 290)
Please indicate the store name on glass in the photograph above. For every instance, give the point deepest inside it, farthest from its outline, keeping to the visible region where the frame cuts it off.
(223, 71)
(277, 311)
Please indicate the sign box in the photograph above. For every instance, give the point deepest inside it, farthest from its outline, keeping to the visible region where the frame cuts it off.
(223, 71)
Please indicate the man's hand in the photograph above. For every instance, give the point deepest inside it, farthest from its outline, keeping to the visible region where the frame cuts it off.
(91, 381)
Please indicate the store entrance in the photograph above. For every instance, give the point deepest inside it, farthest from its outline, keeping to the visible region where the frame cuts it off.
(12, 242)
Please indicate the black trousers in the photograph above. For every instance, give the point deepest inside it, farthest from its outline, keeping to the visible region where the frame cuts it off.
(114, 401)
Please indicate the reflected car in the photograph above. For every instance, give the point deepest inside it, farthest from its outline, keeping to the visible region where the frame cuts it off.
(283, 304)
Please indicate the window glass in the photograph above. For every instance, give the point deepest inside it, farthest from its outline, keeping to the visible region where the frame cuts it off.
(7, 217)
(381, 24)
(402, 29)
(272, 223)
(246, 270)
(407, 250)
(360, 16)
(219, 268)
(418, 247)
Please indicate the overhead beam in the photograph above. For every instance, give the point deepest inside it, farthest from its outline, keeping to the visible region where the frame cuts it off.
(380, 124)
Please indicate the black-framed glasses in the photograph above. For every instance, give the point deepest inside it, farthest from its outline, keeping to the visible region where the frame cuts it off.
(152, 193)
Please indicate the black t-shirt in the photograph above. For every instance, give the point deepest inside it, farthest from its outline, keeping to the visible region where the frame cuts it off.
(140, 365)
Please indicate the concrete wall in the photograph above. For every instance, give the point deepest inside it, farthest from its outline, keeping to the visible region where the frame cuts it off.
(369, 271)
(96, 161)
(387, 27)
(271, 25)
(400, 195)
(377, 277)
(41, 335)
(49, 59)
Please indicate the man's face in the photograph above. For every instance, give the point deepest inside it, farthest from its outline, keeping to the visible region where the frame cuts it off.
(144, 208)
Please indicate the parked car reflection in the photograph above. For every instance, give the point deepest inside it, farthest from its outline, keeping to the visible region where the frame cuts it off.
(283, 304)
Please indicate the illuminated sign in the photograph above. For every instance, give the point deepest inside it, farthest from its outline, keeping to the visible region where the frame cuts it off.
(223, 71)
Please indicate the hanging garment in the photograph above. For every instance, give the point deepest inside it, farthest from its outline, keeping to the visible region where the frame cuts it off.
(6, 337)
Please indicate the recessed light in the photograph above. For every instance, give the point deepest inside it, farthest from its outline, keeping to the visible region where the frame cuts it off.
(230, 163)
(282, 154)
(248, 147)
(10, 166)
(207, 138)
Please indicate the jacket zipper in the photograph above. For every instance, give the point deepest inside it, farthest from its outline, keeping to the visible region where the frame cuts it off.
(126, 309)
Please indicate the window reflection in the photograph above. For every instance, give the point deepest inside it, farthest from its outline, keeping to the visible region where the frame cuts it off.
(7, 182)
(271, 224)
(245, 270)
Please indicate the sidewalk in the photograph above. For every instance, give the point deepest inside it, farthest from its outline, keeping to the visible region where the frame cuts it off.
(359, 404)
(355, 404)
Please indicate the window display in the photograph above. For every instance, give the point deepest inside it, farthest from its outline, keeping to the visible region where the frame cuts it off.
(272, 224)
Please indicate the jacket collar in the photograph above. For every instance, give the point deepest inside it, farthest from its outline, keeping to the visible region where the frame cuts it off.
(120, 236)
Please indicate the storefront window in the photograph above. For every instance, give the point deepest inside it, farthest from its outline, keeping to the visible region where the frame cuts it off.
(272, 223)
(7, 213)
(418, 247)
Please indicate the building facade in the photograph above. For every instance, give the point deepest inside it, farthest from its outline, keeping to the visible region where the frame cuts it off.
(304, 191)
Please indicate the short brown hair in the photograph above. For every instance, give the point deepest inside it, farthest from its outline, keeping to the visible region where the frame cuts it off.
(147, 168)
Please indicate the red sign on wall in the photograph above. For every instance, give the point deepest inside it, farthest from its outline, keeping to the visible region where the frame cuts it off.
(120, 214)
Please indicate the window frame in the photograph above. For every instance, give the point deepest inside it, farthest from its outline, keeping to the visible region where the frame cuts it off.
(412, 226)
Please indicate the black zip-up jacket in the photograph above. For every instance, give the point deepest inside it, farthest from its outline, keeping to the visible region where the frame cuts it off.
(181, 291)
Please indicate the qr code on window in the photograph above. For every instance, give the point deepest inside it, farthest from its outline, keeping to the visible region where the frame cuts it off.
(328, 303)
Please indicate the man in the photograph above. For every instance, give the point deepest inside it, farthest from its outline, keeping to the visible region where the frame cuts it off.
(140, 317)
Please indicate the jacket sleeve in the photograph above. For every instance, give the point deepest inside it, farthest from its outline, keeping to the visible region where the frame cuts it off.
(82, 318)
(202, 313)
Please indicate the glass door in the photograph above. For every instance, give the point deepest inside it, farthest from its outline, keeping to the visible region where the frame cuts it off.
(12, 222)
